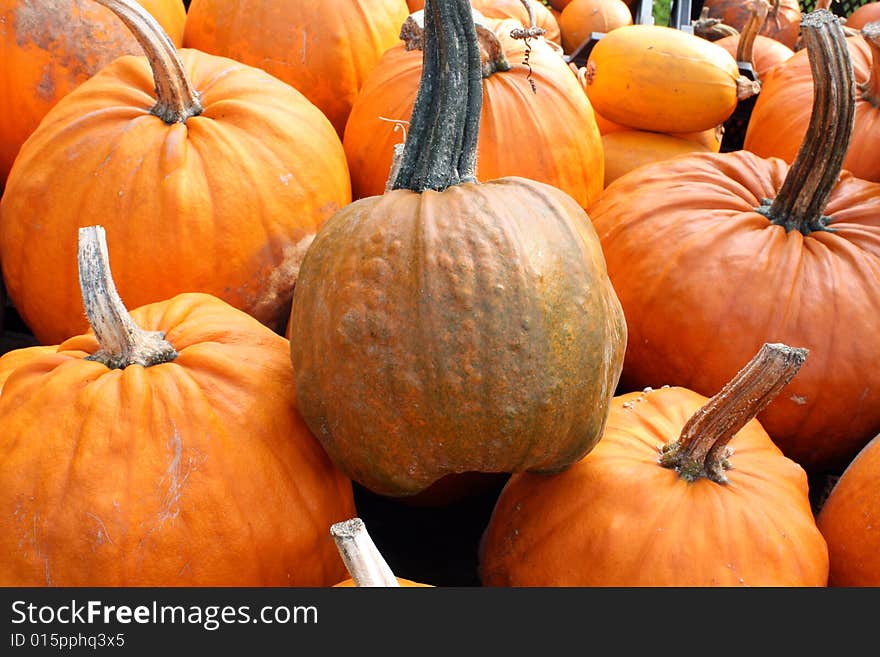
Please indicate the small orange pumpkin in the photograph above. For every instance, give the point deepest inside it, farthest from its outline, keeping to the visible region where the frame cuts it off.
(162, 449)
(680, 491)
(581, 18)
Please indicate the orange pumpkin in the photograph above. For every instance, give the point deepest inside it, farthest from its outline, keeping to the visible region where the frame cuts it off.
(714, 254)
(134, 475)
(626, 150)
(782, 110)
(449, 325)
(220, 184)
(48, 48)
(323, 49)
(849, 518)
(782, 24)
(362, 558)
(662, 79)
(863, 14)
(515, 139)
(526, 12)
(680, 491)
(751, 47)
(581, 18)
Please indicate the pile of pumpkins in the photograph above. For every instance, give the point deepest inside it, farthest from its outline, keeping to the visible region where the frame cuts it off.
(273, 251)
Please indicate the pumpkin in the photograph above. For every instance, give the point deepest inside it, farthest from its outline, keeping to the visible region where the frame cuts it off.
(162, 449)
(449, 325)
(323, 49)
(713, 254)
(863, 14)
(781, 112)
(529, 13)
(628, 76)
(581, 18)
(751, 47)
(627, 149)
(214, 172)
(681, 490)
(515, 138)
(48, 48)
(782, 24)
(848, 520)
(362, 558)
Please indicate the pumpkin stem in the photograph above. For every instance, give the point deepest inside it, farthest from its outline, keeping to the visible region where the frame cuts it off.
(814, 173)
(362, 558)
(745, 48)
(441, 148)
(122, 342)
(870, 88)
(177, 100)
(712, 29)
(701, 449)
(492, 54)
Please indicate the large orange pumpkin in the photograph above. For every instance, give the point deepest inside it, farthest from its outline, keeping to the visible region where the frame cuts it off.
(323, 49)
(162, 449)
(49, 47)
(782, 110)
(849, 521)
(681, 491)
(714, 254)
(449, 325)
(516, 138)
(220, 184)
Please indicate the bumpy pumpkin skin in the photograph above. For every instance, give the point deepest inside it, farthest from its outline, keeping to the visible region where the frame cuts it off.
(323, 49)
(467, 330)
(781, 113)
(226, 203)
(849, 520)
(704, 280)
(516, 139)
(49, 47)
(618, 518)
(197, 472)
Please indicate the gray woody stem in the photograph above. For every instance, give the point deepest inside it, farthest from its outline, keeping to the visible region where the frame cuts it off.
(177, 100)
(121, 341)
(701, 449)
(362, 558)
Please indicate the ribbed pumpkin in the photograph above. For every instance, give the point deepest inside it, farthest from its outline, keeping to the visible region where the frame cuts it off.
(626, 150)
(581, 18)
(680, 491)
(714, 254)
(362, 558)
(49, 47)
(515, 139)
(323, 49)
(449, 325)
(782, 24)
(782, 110)
(658, 78)
(162, 449)
(849, 519)
(751, 47)
(220, 184)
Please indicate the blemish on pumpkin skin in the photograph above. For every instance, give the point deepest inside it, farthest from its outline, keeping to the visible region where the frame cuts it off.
(102, 534)
(179, 470)
(798, 399)
(272, 304)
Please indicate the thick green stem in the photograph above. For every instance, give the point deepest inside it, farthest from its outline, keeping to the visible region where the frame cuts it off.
(870, 88)
(122, 342)
(441, 147)
(361, 557)
(177, 100)
(801, 200)
(701, 449)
